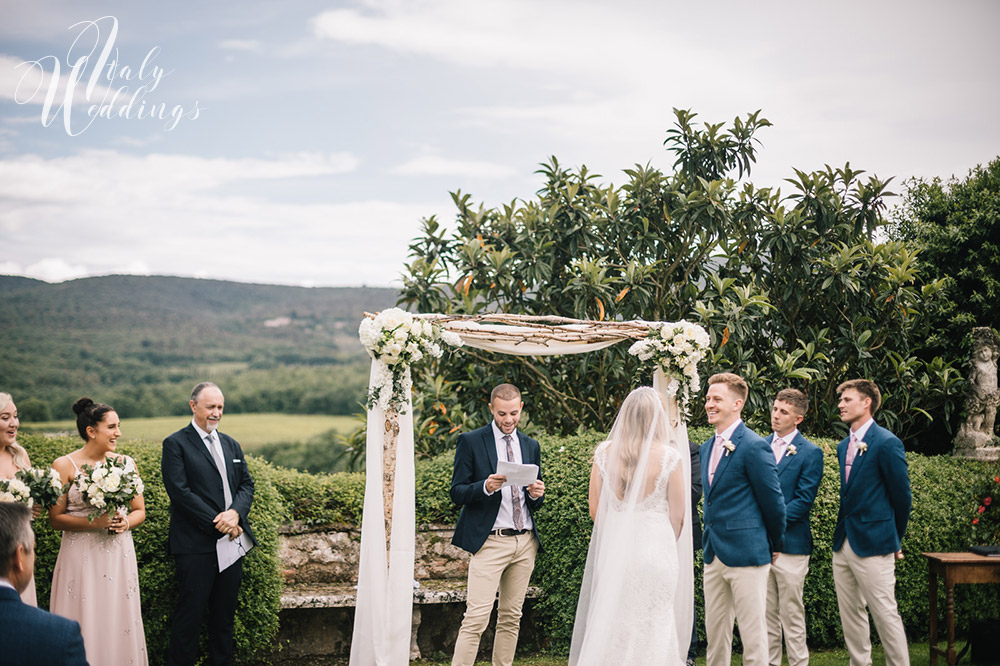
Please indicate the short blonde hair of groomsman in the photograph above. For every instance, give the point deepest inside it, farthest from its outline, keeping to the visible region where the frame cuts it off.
(733, 381)
(866, 388)
(795, 398)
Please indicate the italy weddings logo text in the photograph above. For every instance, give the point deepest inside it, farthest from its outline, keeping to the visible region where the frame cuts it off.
(93, 83)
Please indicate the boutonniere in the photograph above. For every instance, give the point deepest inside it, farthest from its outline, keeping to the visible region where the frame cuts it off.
(728, 446)
(862, 447)
(792, 450)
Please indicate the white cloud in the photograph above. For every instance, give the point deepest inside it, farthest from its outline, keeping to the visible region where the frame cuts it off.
(252, 45)
(433, 165)
(103, 212)
(52, 269)
(30, 82)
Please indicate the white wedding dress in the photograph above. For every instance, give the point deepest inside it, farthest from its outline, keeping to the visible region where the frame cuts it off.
(633, 608)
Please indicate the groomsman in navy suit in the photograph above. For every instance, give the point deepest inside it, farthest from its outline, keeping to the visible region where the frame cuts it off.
(800, 468)
(496, 525)
(744, 520)
(31, 637)
(875, 504)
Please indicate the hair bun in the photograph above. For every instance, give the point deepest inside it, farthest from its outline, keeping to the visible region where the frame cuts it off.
(81, 405)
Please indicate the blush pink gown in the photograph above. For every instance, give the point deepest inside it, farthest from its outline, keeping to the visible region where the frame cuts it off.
(96, 583)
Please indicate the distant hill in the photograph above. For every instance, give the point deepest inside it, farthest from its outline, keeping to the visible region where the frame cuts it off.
(137, 338)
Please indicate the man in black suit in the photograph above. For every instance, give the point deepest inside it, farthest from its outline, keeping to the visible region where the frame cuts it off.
(496, 525)
(210, 488)
(30, 636)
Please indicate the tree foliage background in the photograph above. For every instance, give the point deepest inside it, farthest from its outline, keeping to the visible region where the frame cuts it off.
(795, 289)
(956, 226)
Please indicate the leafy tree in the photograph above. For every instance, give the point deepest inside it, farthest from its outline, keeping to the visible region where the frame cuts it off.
(33, 409)
(792, 290)
(956, 225)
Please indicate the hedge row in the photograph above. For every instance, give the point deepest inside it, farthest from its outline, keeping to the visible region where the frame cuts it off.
(260, 594)
(943, 507)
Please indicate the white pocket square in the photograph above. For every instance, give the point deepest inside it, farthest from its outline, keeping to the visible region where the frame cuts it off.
(237, 460)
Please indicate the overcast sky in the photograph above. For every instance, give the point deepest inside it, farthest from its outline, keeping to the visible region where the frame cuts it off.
(301, 142)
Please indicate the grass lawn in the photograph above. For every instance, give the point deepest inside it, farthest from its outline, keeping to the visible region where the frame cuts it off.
(250, 430)
(919, 656)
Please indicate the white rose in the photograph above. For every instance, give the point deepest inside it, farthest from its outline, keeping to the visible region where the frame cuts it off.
(7, 497)
(391, 318)
(368, 333)
(17, 486)
(451, 338)
(113, 482)
(415, 355)
(637, 347)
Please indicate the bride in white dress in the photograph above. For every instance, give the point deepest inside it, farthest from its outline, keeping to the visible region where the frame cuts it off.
(636, 600)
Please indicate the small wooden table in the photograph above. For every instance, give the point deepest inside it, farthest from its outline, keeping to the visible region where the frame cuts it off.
(954, 568)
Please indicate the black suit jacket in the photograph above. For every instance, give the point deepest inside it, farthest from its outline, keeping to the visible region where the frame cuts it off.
(195, 488)
(33, 637)
(476, 459)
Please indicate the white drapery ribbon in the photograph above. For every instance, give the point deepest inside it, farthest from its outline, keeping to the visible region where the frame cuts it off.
(384, 604)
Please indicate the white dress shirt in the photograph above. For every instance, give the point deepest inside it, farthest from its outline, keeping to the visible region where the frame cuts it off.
(781, 449)
(505, 517)
(205, 435)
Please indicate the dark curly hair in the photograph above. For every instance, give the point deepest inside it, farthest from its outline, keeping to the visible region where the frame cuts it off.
(89, 414)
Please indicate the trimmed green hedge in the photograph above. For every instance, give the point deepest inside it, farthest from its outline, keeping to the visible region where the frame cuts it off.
(944, 505)
(260, 593)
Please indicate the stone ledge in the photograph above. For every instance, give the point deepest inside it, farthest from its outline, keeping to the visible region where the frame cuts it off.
(345, 595)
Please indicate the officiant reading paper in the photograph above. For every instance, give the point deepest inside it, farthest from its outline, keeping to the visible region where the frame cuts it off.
(496, 525)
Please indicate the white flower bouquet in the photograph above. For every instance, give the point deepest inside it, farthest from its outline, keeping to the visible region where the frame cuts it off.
(395, 340)
(15, 490)
(44, 484)
(109, 486)
(676, 348)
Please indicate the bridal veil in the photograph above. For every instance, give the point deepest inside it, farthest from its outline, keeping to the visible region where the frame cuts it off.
(638, 575)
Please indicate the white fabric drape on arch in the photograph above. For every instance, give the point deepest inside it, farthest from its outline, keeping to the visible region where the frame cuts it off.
(384, 606)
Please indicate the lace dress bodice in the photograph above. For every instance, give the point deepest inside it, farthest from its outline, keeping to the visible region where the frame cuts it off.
(656, 499)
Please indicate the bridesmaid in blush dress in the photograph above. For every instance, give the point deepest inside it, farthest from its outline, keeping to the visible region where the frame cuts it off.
(13, 457)
(96, 579)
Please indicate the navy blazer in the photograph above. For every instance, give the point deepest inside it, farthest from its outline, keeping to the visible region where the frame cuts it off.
(799, 476)
(192, 480)
(744, 511)
(875, 502)
(33, 637)
(476, 459)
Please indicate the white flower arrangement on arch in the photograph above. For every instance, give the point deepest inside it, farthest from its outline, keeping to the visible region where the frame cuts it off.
(395, 340)
(676, 348)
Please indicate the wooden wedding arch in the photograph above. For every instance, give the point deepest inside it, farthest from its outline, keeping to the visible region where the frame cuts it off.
(383, 611)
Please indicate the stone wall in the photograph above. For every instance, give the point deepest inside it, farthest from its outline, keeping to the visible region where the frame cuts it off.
(321, 571)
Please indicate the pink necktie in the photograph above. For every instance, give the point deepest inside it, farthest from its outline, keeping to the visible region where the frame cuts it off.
(515, 492)
(777, 446)
(716, 457)
(852, 450)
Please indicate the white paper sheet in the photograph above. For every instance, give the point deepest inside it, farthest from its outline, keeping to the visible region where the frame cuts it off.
(517, 475)
(229, 551)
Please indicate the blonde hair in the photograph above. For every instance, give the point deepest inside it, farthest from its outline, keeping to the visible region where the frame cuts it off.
(641, 420)
(17, 452)
(735, 383)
